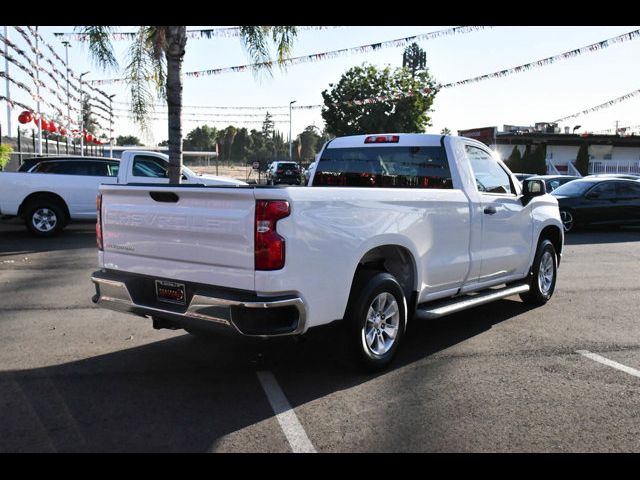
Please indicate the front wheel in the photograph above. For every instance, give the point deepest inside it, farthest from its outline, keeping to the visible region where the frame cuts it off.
(542, 277)
(376, 318)
(568, 220)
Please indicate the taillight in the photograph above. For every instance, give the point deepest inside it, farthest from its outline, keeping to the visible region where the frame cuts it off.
(382, 139)
(99, 222)
(269, 246)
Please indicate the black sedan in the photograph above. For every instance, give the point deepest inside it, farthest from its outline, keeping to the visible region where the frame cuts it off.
(598, 201)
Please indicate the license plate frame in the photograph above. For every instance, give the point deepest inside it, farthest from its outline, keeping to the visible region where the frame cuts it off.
(171, 292)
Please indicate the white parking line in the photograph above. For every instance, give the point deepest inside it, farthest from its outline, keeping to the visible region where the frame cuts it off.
(610, 363)
(287, 419)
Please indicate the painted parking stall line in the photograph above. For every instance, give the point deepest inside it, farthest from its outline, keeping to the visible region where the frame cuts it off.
(605, 361)
(291, 426)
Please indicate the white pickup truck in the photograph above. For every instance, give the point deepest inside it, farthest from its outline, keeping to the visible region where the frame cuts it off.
(57, 190)
(391, 228)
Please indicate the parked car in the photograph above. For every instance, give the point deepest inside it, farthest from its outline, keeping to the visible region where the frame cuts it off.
(523, 176)
(554, 181)
(57, 190)
(392, 228)
(628, 176)
(598, 201)
(283, 172)
(308, 172)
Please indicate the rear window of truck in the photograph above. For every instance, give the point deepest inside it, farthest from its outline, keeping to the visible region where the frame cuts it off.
(387, 167)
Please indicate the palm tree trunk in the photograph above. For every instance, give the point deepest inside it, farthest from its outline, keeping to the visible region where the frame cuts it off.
(176, 40)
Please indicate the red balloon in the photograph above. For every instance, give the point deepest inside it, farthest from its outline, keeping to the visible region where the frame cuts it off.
(25, 117)
(63, 131)
(52, 127)
(43, 124)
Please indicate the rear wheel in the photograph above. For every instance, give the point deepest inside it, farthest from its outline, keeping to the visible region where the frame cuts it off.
(542, 277)
(376, 318)
(44, 218)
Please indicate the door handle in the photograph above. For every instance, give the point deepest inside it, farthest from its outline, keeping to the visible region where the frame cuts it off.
(490, 210)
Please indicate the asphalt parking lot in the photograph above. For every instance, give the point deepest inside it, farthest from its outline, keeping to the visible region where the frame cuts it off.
(498, 378)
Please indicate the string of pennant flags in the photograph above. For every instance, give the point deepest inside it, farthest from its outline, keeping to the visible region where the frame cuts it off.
(99, 103)
(607, 104)
(399, 42)
(205, 33)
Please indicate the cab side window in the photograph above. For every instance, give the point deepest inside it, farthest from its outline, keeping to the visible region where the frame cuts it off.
(147, 166)
(490, 176)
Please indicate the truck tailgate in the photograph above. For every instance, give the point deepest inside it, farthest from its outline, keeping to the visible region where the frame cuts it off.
(195, 234)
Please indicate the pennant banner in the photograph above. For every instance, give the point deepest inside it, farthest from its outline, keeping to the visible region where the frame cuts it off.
(324, 55)
(601, 106)
(207, 33)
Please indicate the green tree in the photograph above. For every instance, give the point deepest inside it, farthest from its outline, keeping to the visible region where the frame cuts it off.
(309, 141)
(445, 131)
(242, 146)
(155, 59)
(128, 140)
(408, 114)
(88, 122)
(582, 159)
(229, 136)
(538, 163)
(514, 162)
(414, 58)
(5, 155)
(268, 126)
(201, 139)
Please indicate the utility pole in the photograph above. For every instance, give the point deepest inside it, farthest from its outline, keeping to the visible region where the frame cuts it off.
(290, 138)
(111, 125)
(6, 70)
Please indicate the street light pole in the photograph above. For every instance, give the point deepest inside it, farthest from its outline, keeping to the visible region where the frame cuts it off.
(66, 52)
(111, 125)
(290, 139)
(39, 116)
(82, 115)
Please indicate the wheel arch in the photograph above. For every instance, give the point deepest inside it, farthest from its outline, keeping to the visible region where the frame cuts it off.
(396, 260)
(46, 196)
(555, 236)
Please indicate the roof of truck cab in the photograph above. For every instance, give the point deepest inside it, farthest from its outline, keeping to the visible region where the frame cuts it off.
(404, 140)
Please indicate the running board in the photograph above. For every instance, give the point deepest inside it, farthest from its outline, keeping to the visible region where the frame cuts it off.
(448, 307)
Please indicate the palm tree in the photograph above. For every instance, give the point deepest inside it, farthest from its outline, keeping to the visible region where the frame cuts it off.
(155, 57)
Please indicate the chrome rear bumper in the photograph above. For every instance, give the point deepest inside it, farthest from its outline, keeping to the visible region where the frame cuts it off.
(224, 310)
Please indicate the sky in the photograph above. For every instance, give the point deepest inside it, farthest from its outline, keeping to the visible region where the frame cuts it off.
(538, 95)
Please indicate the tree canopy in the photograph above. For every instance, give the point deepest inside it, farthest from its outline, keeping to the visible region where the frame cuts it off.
(408, 114)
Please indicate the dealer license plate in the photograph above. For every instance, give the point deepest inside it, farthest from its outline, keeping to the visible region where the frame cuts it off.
(170, 292)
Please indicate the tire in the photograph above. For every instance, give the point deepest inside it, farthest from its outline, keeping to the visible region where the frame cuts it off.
(543, 275)
(376, 319)
(45, 218)
(568, 220)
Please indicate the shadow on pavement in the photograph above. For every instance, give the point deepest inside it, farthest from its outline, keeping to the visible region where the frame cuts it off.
(186, 393)
(592, 236)
(16, 240)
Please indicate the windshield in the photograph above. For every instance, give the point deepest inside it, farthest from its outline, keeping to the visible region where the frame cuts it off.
(573, 189)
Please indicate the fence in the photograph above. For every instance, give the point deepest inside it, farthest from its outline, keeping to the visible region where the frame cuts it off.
(614, 166)
(25, 147)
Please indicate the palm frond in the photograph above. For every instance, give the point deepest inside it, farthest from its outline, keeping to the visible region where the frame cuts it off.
(284, 38)
(139, 73)
(255, 40)
(100, 44)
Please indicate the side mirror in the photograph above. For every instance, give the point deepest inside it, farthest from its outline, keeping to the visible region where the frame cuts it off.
(532, 188)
